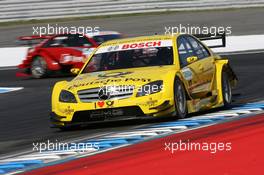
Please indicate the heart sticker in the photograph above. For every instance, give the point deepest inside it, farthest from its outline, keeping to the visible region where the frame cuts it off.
(100, 103)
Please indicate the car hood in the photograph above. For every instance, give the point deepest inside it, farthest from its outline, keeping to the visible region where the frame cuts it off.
(132, 76)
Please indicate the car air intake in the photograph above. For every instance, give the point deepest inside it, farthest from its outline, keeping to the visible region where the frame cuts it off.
(106, 93)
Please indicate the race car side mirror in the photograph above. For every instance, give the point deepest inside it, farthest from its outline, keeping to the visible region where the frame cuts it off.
(75, 71)
(192, 59)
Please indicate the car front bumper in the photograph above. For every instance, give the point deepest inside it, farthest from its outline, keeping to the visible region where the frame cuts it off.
(141, 107)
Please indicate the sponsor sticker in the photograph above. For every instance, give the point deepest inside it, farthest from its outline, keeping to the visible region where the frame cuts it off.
(149, 103)
(135, 45)
(187, 73)
(68, 111)
(107, 103)
(100, 104)
(106, 81)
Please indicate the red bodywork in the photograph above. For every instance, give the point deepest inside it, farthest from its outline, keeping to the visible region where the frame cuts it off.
(59, 54)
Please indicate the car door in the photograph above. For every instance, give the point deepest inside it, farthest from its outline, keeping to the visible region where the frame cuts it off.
(195, 71)
(67, 44)
(204, 66)
(55, 47)
(188, 70)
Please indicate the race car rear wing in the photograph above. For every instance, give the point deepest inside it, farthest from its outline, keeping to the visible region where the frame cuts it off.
(32, 40)
(209, 37)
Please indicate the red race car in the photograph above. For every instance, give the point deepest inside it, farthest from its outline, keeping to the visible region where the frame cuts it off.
(60, 53)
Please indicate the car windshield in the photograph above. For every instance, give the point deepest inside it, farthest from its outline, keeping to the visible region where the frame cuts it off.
(99, 39)
(126, 56)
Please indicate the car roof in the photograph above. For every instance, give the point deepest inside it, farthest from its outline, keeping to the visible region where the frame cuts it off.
(99, 33)
(138, 39)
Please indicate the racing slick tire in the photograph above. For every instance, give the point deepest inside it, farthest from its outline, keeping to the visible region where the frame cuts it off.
(39, 67)
(180, 100)
(226, 90)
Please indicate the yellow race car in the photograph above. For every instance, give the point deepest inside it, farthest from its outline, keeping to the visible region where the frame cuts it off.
(152, 76)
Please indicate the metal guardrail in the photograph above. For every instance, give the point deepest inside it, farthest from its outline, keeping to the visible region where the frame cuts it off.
(13, 10)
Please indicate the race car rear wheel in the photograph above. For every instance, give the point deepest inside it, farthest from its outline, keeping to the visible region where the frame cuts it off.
(180, 101)
(39, 67)
(226, 90)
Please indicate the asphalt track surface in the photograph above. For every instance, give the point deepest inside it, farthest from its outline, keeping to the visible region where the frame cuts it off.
(243, 22)
(24, 114)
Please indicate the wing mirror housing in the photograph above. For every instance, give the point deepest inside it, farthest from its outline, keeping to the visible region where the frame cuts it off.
(75, 71)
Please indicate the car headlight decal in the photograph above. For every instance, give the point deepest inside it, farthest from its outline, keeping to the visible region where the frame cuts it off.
(67, 97)
(150, 88)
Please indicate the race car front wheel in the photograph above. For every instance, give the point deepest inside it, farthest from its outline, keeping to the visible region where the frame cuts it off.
(39, 67)
(180, 99)
(226, 90)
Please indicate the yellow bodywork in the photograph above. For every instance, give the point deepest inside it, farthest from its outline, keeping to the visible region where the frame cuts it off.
(203, 92)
